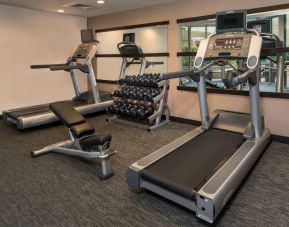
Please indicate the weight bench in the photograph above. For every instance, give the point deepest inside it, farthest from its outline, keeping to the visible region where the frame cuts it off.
(83, 140)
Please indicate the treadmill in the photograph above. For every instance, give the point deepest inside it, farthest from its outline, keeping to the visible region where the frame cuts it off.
(202, 169)
(87, 102)
(132, 54)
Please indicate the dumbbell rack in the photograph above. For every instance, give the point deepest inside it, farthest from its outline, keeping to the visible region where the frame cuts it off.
(161, 111)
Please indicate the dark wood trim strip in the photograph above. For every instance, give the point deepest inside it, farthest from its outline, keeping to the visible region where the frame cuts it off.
(186, 54)
(280, 139)
(192, 19)
(133, 26)
(237, 92)
(249, 11)
(268, 8)
(277, 138)
(106, 81)
(132, 55)
(185, 121)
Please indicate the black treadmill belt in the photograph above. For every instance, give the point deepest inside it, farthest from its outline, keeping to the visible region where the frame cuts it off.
(35, 110)
(29, 111)
(188, 167)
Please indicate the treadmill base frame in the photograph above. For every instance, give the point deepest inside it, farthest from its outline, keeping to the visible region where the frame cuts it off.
(216, 192)
(48, 117)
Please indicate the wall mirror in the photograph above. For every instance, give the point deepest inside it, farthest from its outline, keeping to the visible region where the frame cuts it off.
(153, 41)
(275, 51)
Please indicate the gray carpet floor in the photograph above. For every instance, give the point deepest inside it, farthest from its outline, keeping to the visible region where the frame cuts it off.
(57, 190)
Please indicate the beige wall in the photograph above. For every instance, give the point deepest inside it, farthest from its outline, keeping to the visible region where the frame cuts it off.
(182, 103)
(35, 37)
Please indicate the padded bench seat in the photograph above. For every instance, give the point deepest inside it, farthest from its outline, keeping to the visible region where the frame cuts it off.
(78, 126)
(94, 140)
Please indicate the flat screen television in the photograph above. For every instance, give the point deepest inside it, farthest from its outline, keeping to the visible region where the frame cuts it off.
(87, 36)
(129, 37)
(231, 21)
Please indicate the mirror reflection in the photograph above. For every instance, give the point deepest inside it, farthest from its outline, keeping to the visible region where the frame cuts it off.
(131, 43)
(273, 70)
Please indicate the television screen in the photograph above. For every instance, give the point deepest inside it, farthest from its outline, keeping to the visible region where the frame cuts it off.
(231, 21)
(87, 35)
(129, 37)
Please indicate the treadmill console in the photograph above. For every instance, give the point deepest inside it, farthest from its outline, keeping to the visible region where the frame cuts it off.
(236, 46)
(83, 51)
(230, 46)
(129, 48)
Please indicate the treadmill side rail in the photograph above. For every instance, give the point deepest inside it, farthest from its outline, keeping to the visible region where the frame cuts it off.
(213, 196)
(185, 202)
(49, 117)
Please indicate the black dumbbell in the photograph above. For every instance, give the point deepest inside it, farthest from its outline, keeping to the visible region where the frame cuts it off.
(126, 79)
(155, 92)
(139, 111)
(111, 109)
(146, 81)
(119, 104)
(134, 111)
(147, 94)
(122, 80)
(117, 109)
(127, 109)
(122, 109)
(149, 97)
(129, 80)
(133, 93)
(126, 92)
(141, 80)
(145, 112)
(150, 80)
(137, 80)
(153, 80)
(140, 94)
(117, 93)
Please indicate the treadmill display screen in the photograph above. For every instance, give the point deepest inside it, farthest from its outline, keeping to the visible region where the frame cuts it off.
(234, 21)
(228, 44)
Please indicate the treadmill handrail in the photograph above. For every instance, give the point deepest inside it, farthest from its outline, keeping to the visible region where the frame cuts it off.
(156, 62)
(122, 45)
(249, 75)
(82, 67)
(125, 43)
(194, 73)
(46, 66)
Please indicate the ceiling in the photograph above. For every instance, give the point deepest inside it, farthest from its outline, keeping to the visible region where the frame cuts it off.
(110, 6)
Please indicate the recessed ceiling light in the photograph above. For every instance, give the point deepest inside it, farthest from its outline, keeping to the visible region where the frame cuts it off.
(100, 1)
(60, 11)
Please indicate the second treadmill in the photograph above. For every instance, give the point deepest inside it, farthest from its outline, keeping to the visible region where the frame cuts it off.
(87, 102)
